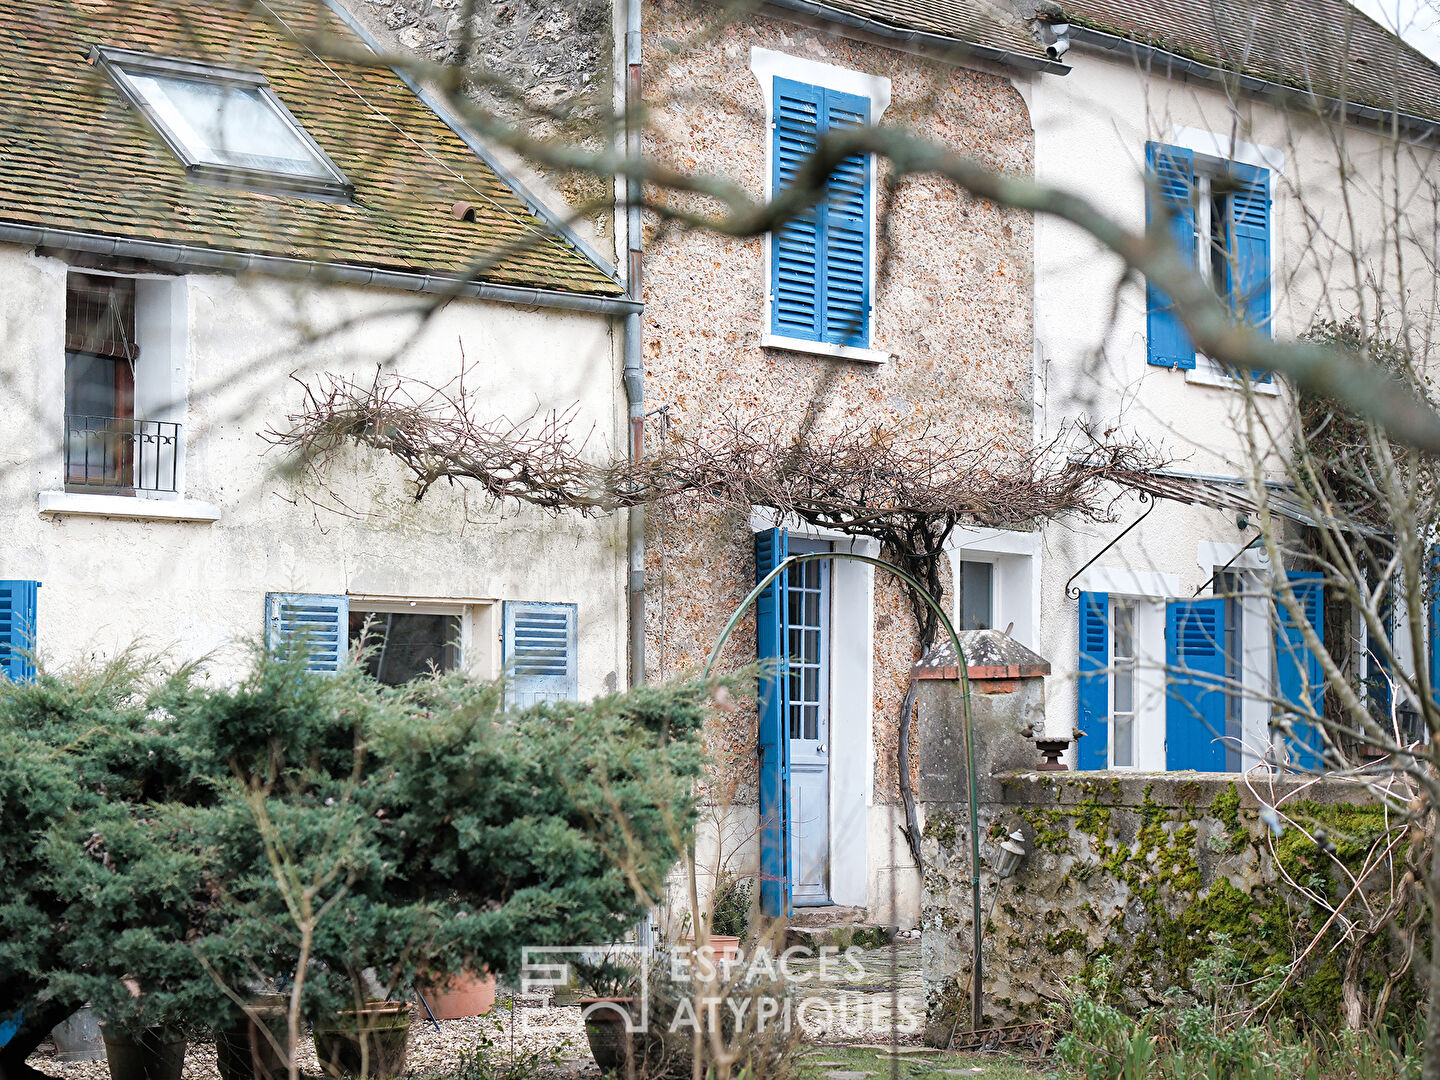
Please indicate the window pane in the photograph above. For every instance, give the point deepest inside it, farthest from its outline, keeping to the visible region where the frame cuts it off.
(1124, 688)
(976, 589)
(1124, 629)
(404, 646)
(225, 124)
(1122, 747)
(812, 722)
(812, 609)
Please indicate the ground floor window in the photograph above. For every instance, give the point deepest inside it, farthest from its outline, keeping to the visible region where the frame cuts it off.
(403, 645)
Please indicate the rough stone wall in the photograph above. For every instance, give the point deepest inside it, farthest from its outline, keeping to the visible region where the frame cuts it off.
(953, 312)
(1151, 872)
(544, 65)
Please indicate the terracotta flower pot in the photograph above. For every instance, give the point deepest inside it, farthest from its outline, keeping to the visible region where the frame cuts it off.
(723, 947)
(611, 1045)
(154, 1054)
(370, 1043)
(466, 994)
(253, 1048)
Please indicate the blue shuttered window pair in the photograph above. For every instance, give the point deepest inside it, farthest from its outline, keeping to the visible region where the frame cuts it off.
(540, 641)
(541, 652)
(1237, 246)
(820, 260)
(1196, 687)
(18, 603)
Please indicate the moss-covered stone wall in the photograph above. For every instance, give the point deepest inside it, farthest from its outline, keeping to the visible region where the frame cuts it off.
(1157, 872)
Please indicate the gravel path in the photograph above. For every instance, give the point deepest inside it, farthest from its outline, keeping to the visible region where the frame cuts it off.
(527, 1028)
(845, 1006)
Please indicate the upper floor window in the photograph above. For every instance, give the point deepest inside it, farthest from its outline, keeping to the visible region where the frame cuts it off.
(1219, 215)
(224, 124)
(819, 263)
(121, 435)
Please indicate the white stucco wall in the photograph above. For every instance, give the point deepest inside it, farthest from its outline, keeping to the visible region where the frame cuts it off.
(192, 589)
(1091, 128)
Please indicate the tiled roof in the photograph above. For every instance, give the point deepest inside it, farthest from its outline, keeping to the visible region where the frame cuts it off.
(1320, 46)
(972, 21)
(74, 156)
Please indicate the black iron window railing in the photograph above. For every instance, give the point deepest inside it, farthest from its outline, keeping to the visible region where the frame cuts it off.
(120, 454)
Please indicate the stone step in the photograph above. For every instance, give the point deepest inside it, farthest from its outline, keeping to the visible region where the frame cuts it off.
(838, 935)
(829, 915)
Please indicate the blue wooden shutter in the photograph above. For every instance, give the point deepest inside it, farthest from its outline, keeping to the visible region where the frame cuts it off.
(820, 260)
(541, 652)
(796, 248)
(1433, 640)
(1248, 288)
(318, 624)
(1195, 685)
(18, 601)
(1299, 675)
(771, 547)
(1094, 683)
(847, 231)
(1172, 181)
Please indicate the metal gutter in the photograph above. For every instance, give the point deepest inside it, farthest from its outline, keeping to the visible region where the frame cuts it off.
(919, 39)
(214, 260)
(533, 204)
(1173, 65)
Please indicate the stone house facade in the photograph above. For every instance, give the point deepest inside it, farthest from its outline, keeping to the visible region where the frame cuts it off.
(1237, 113)
(946, 341)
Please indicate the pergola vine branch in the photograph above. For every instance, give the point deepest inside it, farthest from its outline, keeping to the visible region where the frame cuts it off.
(908, 490)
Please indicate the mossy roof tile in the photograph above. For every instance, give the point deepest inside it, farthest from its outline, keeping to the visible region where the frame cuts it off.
(77, 157)
(1325, 47)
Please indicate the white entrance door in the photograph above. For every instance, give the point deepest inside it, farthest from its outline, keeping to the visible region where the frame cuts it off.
(809, 649)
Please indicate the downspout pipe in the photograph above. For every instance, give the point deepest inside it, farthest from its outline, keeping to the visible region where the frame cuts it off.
(634, 375)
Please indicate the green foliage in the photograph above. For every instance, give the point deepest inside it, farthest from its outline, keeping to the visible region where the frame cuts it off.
(730, 904)
(161, 836)
(1205, 1043)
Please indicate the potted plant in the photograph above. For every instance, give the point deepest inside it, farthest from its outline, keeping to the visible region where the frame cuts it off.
(149, 1053)
(368, 1042)
(468, 993)
(253, 1045)
(606, 1001)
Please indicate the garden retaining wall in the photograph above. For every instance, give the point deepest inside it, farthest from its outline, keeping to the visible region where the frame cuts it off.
(1156, 872)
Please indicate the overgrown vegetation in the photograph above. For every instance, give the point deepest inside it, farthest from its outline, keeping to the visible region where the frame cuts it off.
(1198, 1042)
(168, 846)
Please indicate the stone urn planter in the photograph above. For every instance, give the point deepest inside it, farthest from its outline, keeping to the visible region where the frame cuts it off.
(253, 1047)
(78, 1038)
(611, 1045)
(153, 1054)
(370, 1043)
(467, 994)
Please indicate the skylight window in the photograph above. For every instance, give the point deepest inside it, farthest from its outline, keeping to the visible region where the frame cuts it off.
(224, 124)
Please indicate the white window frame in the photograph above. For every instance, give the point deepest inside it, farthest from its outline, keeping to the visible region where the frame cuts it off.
(479, 625)
(767, 65)
(1014, 596)
(161, 393)
(1211, 152)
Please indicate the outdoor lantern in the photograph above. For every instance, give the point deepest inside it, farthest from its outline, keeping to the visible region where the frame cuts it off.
(1010, 854)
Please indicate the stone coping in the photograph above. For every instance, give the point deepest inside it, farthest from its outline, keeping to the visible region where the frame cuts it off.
(1170, 789)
